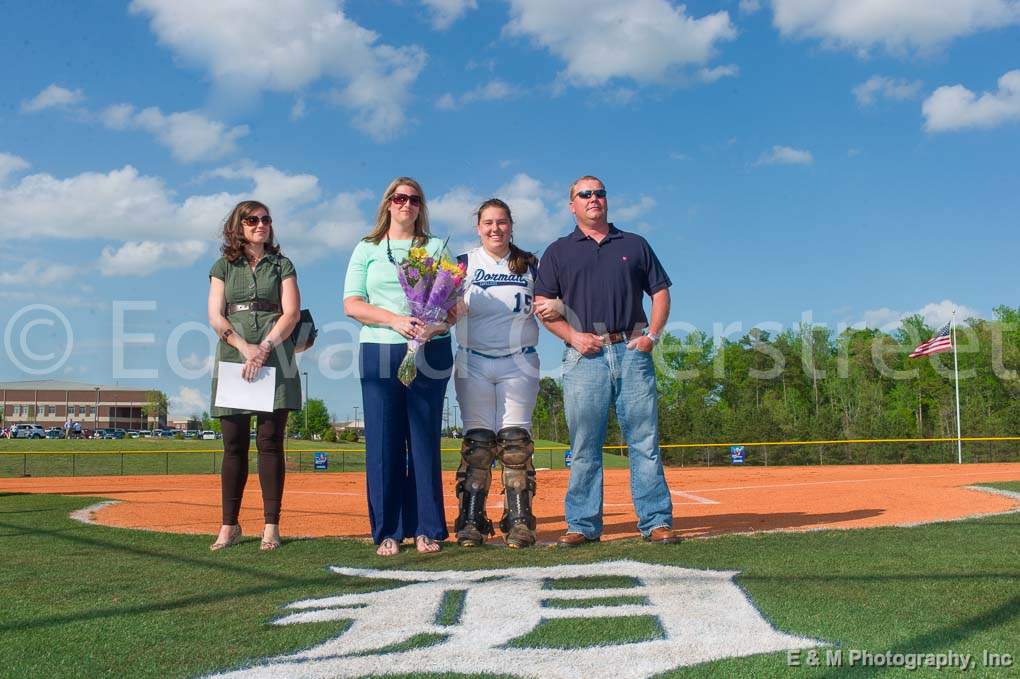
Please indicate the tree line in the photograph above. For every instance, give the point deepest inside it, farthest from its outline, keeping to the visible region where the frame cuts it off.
(809, 383)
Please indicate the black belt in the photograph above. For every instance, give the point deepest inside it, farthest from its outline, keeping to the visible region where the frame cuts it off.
(254, 305)
(613, 337)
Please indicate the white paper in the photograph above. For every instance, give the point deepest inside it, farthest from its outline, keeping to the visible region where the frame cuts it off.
(233, 391)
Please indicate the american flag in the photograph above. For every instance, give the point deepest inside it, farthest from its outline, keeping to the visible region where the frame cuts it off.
(939, 342)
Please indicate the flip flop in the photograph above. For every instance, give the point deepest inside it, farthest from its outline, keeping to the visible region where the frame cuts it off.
(426, 545)
(388, 547)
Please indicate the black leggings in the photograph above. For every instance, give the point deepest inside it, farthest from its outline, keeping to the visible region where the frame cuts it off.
(234, 473)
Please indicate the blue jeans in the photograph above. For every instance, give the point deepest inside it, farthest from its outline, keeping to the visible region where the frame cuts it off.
(403, 426)
(625, 378)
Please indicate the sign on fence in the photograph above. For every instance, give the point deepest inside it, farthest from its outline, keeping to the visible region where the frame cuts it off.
(321, 461)
(568, 457)
(736, 454)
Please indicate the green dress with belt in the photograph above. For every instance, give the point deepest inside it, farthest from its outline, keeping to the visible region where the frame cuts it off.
(241, 285)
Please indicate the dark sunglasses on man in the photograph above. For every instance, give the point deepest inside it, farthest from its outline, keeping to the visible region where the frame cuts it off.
(401, 198)
(588, 193)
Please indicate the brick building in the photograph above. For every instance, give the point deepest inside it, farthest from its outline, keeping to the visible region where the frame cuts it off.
(50, 402)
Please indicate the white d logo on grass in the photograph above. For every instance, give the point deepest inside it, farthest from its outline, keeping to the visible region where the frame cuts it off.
(618, 620)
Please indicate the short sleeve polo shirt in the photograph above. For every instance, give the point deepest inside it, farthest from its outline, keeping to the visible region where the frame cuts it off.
(601, 284)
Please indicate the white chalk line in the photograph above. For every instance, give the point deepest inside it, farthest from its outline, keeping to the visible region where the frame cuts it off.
(698, 500)
(870, 480)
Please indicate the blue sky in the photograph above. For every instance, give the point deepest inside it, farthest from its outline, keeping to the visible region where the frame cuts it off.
(840, 161)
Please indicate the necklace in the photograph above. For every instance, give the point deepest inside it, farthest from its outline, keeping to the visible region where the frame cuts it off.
(389, 253)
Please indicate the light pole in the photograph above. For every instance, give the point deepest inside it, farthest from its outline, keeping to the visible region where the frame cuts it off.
(306, 402)
(355, 418)
(96, 426)
(446, 414)
(455, 416)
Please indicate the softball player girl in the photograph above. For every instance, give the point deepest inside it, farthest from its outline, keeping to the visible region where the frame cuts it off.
(496, 378)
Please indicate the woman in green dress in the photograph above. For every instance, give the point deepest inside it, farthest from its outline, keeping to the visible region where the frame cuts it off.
(254, 304)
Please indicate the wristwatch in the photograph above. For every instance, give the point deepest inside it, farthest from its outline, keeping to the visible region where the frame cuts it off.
(652, 336)
(226, 334)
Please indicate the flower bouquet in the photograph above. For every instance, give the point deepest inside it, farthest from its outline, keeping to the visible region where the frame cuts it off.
(432, 287)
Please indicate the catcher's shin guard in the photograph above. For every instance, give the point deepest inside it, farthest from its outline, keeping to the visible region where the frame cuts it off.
(515, 452)
(477, 451)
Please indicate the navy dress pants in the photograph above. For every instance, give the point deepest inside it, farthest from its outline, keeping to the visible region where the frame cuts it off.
(403, 426)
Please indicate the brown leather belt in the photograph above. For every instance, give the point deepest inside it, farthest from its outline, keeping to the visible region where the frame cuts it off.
(614, 337)
(254, 305)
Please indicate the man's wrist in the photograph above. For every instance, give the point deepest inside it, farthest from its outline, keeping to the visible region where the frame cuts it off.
(652, 336)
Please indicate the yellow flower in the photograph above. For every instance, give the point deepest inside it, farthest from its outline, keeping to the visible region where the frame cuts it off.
(451, 267)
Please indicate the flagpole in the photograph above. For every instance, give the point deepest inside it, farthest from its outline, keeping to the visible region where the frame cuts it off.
(956, 371)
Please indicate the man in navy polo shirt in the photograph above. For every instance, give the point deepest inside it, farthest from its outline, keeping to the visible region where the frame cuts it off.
(589, 293)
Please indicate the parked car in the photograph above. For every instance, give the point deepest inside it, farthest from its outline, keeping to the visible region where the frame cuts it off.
(111, 434)
(132, 434)
(191, 434)
(101, 432)
(54, 433)
(27, 431)
(208, 435)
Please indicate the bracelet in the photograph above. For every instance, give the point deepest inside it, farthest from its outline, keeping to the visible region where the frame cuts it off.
(270, 343)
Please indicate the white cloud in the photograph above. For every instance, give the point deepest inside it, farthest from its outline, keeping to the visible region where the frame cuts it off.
(853, 152)
(445, 13)
(187, 402)
(152, 227)
(749, 6)
(955, 107)
(190, 136)
(710, 75)
(528, 198)
(53, 96)
(493, 90)
(630, 212)
(311, 40)
(897, 26)
(785, 155)
(455, 210)
(282, 192)
(90, 205)
(142, 258)
(645, 40)
(195, 363)
(936, 314)
(37, 273)
(298, 110)
(882, 86)
(447, 102)
(9, 164)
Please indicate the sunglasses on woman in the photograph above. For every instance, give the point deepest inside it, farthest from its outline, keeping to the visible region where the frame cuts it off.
(252, 220)
(401, 198)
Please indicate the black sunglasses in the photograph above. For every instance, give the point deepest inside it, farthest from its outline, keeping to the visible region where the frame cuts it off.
(401, 198)
(252, 220)
(588, 193)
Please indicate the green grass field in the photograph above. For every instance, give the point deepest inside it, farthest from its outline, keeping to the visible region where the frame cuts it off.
(167, 456)
(89, 601)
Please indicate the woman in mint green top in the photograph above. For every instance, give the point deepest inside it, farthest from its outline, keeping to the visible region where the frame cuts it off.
(403, 425)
